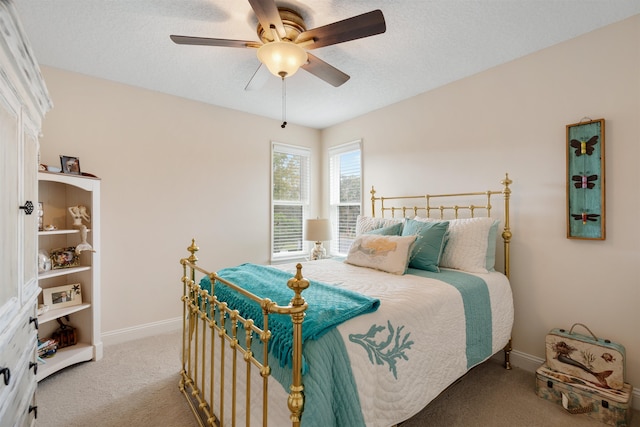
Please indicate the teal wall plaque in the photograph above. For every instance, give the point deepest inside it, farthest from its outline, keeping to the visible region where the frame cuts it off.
(585, 180)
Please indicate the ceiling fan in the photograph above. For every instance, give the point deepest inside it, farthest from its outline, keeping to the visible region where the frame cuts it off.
(285, 40)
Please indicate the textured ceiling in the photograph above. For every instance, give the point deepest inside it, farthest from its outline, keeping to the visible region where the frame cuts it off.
(427, 44)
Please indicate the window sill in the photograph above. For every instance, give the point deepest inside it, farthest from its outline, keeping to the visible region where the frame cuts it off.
(292, 258)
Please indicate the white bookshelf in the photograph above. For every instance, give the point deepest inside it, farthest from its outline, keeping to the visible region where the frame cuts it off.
(57, 192)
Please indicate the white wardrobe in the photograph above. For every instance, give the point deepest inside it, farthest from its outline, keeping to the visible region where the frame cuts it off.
(23, 103)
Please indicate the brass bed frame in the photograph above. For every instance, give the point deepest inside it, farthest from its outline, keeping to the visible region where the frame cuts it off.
(210, 325)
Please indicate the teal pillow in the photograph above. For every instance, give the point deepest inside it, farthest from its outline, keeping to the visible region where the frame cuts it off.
(427, 249)
(392, 230)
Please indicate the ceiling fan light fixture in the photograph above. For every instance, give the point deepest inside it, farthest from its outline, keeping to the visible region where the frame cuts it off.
(282, 58)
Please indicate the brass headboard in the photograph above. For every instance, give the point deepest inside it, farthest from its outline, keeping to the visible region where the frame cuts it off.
(466, 203)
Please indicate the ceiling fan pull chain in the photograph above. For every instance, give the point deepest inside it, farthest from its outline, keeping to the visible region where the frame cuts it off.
(284, 103)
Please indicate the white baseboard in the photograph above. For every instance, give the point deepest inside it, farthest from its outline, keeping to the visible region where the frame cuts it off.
(142, 331)
(530, 363)
(525, 361)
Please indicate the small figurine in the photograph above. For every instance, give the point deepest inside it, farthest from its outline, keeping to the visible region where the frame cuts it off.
(44, 261)
(78, 213)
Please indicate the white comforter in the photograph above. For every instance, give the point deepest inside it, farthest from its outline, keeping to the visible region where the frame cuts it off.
(433, 312)
(430, 310)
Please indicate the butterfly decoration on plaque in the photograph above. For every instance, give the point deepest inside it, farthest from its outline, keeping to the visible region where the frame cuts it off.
(585, 180)
(584, 147)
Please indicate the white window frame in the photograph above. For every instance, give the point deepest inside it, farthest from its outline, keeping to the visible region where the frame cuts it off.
(277, 147)
(339, 246)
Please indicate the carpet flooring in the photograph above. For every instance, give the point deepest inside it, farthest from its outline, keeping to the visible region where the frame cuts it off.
(136, 385)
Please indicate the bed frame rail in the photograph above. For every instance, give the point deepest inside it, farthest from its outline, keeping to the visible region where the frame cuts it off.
(204, 319)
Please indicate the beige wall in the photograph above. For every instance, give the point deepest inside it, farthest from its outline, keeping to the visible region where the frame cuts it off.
(466, 135)
(171, 169)
(513, 119)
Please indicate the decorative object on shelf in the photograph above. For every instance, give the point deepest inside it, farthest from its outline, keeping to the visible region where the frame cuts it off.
(42, 309)
(70, 165)
(64, 258)
(585, 180)
(40, 216)
(318, 230)
(65, 335)
(44, 261)
(50, 227)
(78, 213)
(46, 349)
(62, 296)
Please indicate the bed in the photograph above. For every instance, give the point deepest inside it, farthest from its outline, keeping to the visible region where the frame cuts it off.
(365, 340)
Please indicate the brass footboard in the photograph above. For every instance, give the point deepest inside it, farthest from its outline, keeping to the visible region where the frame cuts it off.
(212, 345)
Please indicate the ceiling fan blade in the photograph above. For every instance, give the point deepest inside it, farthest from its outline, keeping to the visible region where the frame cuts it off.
(268, 15)
(357, 27)
(324, 71)
(258, 79)
(205, 41)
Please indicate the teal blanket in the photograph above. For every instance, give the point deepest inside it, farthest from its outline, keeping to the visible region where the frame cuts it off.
(328, 379)
(329, 305)
(477, 310)
(329, 386)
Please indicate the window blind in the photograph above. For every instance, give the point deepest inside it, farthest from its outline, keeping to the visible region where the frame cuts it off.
(289, 199)
(345, 194)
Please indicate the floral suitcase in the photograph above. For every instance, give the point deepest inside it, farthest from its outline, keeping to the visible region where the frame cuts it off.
(594, 360)
(609, 406)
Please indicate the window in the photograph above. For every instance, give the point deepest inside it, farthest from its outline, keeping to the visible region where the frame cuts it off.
(345, 194)
(289, 199)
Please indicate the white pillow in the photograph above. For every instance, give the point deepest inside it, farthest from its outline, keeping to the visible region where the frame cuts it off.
(365, 224)
(467, 244)
(386, 253)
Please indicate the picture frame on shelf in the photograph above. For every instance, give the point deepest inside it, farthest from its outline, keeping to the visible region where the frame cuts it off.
(70, 165)
(62, 296)
(64, 258)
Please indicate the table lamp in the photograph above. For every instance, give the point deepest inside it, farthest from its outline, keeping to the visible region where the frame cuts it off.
(318, 230)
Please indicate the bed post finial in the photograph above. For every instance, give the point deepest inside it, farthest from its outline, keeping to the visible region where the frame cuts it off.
(506, 182)
(193, 249)
(296, 395)
(298, 284)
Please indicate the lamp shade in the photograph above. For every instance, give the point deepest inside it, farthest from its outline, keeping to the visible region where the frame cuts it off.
(282, 58)
(317, 230)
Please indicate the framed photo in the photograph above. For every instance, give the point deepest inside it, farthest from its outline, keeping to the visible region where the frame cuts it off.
(70, 165)
(64, 258)
(585, 180)
(62, 296)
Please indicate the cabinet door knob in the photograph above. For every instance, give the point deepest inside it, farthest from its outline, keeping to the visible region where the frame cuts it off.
(34, 320)
(34, 365)
(28, 207)
(34, 409)
(6, 372)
